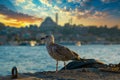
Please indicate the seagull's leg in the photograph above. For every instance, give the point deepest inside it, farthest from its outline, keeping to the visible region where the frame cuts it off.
(65, 65)
(57, 67)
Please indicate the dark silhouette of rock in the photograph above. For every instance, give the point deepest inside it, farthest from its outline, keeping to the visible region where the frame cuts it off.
(84, 63)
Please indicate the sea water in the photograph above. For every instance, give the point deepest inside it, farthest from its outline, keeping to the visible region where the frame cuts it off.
(36, 59)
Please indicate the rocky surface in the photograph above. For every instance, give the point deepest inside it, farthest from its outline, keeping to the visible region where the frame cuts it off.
(84, 63)
(87, 69)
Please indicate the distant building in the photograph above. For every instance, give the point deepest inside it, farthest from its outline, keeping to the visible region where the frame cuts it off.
(3, 39)
(48, 25)
(56, 18)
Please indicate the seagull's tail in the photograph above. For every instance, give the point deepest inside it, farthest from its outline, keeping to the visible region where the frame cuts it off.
(76, 56)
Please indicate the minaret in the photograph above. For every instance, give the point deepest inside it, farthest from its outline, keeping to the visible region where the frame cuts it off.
(56, 18)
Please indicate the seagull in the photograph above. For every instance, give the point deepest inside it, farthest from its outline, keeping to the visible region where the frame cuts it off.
(59, 52)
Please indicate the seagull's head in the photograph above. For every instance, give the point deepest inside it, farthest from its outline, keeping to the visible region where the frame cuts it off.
(48, 39)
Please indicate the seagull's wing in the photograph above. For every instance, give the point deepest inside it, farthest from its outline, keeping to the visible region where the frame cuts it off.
(65, 52)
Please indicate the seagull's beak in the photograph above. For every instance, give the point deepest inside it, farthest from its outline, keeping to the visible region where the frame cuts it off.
(42, 38)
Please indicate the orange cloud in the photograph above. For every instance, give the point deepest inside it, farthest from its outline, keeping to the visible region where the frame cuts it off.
(11, 18)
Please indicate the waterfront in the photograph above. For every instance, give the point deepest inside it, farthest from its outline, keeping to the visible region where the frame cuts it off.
(36, 59)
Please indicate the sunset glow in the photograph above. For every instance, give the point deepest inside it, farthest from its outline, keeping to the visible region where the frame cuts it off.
(16, 23)
(86, 12)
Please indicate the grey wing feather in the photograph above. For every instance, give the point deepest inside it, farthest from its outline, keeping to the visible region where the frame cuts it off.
(64, 51)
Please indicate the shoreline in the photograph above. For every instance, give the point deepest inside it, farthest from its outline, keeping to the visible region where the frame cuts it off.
(85, 69)
(76, 74)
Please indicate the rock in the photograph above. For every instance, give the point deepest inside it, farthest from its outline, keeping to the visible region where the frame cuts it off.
(84, 63)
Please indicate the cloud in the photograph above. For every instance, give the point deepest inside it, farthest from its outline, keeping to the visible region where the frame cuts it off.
(98, 14)
(29, 5)
(17, 2)
(26, 4)
(85, 3)
(84, 14)
(80, 9)
(12, 16)
(42, 8)
(11, 22)
(59, 1)
(70, 0)
(74, 1)
(20, 1)
(81, 13)
(88, 8)
(109, 1)
(46, 2)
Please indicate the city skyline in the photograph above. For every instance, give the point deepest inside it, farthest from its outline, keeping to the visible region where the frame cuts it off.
(87, 12)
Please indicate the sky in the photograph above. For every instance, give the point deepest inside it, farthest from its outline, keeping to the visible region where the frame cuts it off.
(87, 12)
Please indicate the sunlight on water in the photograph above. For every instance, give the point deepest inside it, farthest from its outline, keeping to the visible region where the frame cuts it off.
(32, 59)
